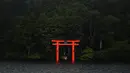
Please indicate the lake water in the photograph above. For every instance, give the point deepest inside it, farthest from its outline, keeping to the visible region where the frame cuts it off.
(26, 67)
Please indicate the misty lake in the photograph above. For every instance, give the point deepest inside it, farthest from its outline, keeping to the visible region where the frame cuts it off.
(27, 67)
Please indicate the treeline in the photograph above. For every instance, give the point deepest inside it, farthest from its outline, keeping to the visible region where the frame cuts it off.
(28, 26)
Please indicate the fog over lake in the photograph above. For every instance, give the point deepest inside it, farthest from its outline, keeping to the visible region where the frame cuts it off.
(27, 67)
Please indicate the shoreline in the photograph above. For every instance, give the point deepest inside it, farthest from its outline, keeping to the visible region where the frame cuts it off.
(42, 61)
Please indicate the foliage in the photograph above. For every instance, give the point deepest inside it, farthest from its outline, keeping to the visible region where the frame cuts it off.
(34, 56)
(12, 55)
(28, 26)
(119, 52)
(88, 54)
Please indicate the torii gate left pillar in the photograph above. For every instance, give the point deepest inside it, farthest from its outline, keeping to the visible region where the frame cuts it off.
(58, 44)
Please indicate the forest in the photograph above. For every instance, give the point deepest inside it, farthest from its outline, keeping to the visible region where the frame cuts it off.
(28, 26)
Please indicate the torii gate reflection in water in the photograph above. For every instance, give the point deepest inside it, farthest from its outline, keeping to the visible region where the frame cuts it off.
(57, 43)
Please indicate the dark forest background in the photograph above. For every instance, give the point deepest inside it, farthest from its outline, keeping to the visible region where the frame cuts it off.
(28, 26)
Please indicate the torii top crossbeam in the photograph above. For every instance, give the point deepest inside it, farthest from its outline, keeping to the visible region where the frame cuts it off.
(64, 40)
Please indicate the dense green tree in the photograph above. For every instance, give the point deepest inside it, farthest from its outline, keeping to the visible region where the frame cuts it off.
(28, 26)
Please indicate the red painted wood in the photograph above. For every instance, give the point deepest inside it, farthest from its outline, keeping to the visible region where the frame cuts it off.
(73, 40)
(57, 52)
(73, 53)
(66, 44)
(57, 40)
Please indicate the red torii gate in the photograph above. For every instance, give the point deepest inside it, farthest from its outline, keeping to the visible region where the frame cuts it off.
(58, 43)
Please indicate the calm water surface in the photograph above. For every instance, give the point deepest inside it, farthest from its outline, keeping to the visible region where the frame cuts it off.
(24, 67)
